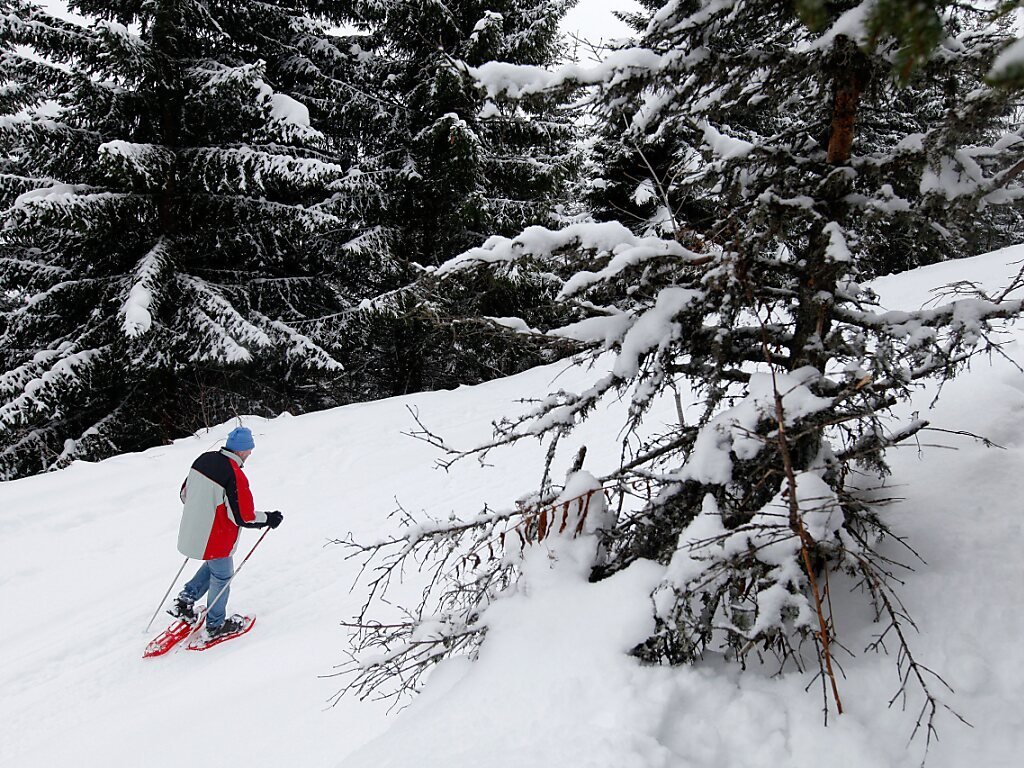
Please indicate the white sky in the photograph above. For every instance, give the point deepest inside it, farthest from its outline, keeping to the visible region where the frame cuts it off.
(593, 20)
(57, 7)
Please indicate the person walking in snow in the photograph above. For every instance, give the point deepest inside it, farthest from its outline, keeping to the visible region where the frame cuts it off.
(217, 503)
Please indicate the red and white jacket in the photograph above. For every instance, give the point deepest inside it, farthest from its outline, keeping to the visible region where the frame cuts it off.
(217, 503)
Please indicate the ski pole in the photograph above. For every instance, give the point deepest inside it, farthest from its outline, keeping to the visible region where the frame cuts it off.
(164, 598)
(199, 620)
(261, 538)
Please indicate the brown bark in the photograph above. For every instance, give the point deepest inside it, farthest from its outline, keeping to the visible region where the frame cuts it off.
(796, 523)
(844, 117)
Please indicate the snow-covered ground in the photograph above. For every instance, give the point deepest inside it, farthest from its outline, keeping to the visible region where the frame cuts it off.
(85, 554)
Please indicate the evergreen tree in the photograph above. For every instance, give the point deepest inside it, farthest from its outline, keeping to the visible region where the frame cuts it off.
(891, 99)
(805, 157)
(167, 262)
(629, 182)
(441, 167)
(458, 167)
(20, 79)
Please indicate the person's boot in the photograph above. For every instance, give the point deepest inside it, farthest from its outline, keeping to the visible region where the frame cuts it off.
(184, 609)
(231, 625)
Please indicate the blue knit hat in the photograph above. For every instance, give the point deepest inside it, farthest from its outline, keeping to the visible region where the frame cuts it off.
(240, 439)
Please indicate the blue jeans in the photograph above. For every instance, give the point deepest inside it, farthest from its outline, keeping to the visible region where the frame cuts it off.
(212, 577)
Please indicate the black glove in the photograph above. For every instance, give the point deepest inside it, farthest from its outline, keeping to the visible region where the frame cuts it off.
(274, 519)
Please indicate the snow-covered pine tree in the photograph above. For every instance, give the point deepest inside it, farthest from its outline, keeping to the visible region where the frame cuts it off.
(164, 265)
(939, 56)
(458, 166)
(442, 167)
(800, 146)
(619, 183)
(1008, 69)
(20, 79)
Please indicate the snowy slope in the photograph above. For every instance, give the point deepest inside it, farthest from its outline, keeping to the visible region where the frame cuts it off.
(85, 554)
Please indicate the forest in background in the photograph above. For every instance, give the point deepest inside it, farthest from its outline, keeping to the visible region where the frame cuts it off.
(214, 209)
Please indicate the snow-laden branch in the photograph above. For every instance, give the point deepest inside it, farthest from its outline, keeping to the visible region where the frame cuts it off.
(606, 238)
(138, 318)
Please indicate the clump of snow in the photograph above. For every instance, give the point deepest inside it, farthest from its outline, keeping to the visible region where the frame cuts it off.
(819, 506)
(289, 110)
(489, 20)
(644, 192)
(137, 317)
(837, 249)
(513, 324)
(657, 327)
(604, 330)
(685, 564)
(518, 80)
(725, 147)
(952, 178)
(58, 192)
(734, 431)
(125, 149)
(852, 24)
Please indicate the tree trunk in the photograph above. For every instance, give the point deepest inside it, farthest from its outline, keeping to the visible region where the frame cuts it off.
(849, 84)
(844, 115)
(167, 32)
